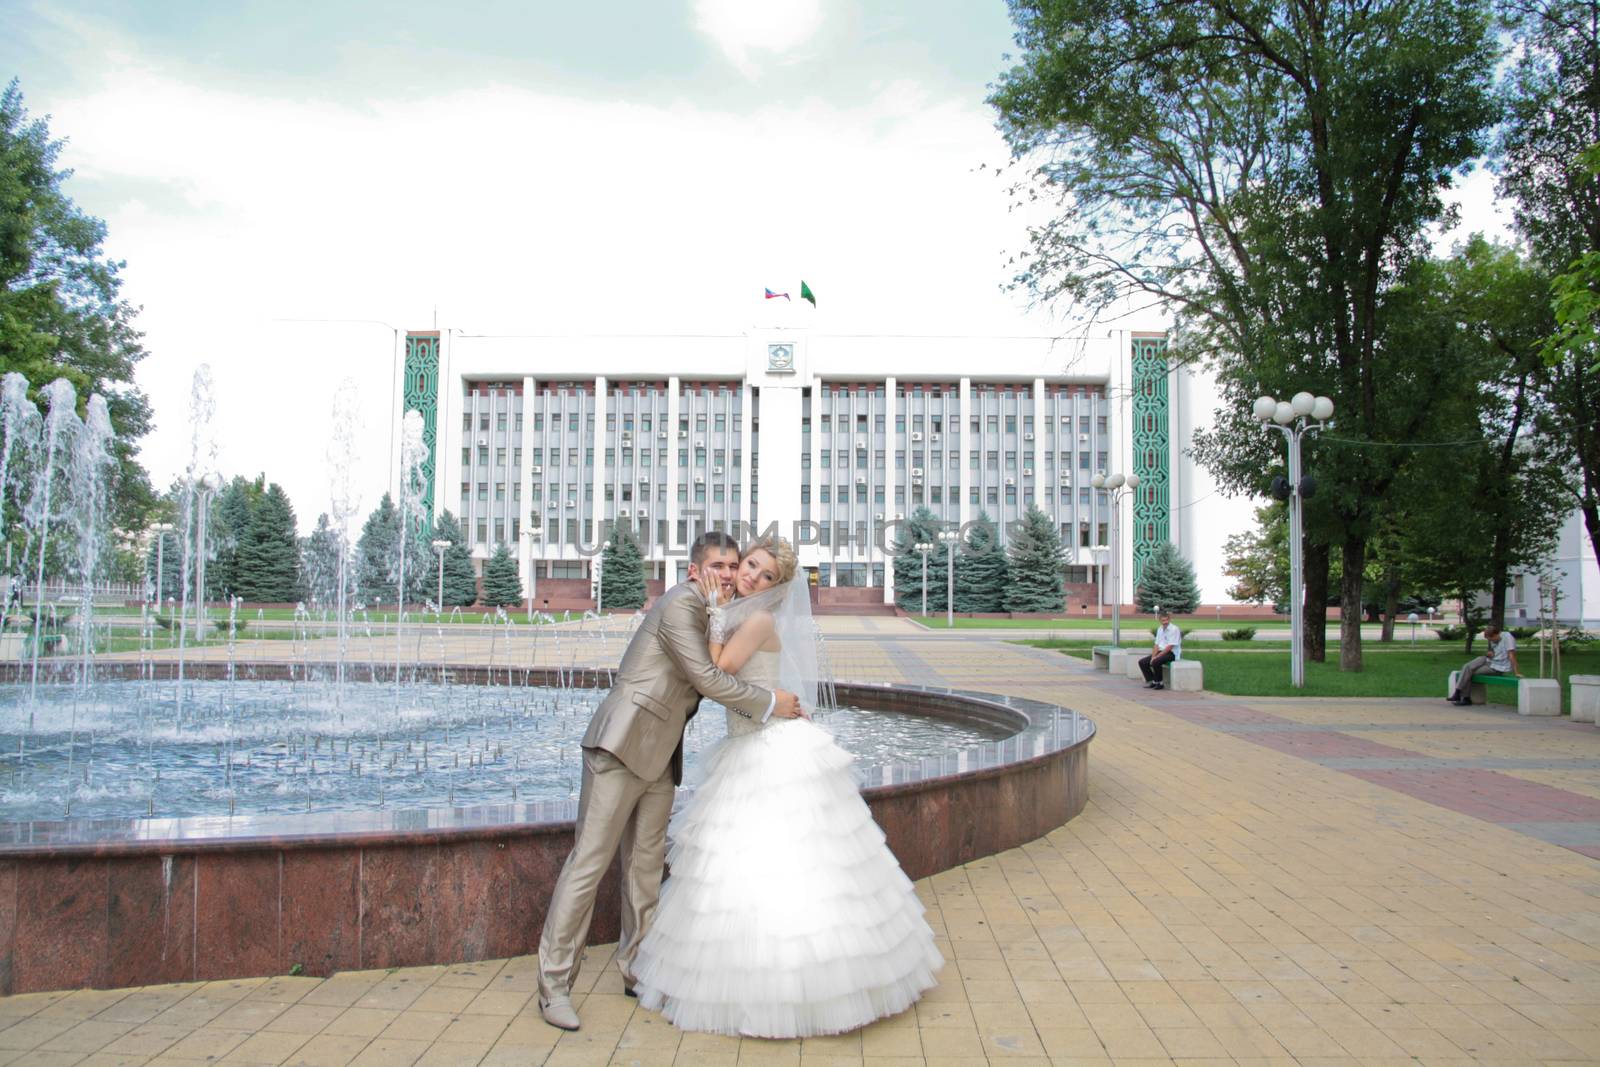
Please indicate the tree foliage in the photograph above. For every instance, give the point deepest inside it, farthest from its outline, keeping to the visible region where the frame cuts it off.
(1267, 170)
(319, 562)
(622, 570)
(1034, 560)
(460, 577)
(62, 314)
(1257, 559)
(1168, 582)
(502, 585)
(981, 569)
(921, 528)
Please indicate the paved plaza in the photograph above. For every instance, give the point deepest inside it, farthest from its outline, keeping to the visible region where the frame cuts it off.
(1254, 881)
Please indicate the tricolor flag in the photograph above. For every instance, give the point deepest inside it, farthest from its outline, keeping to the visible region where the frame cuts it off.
(807, 294)
(773, 296)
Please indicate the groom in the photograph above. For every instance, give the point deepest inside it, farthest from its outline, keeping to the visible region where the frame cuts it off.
(632, 759)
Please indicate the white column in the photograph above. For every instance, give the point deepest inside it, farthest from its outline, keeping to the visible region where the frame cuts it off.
(447, 446)
(531, 518)
(969, 441)
(1036, 451)
(670, 508)
(596, 441)
(890, 410)
(746, 511)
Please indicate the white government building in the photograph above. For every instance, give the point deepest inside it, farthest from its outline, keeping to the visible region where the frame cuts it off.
(539, 443)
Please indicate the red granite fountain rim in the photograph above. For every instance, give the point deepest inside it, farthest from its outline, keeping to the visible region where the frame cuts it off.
(1038, 738)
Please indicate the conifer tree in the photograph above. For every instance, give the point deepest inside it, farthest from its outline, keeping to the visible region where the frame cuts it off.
(502, 585)
(170, 558)
(1034, 557)
(319, 562)
(622, 570)
(267, 567)
(379, 540)
(460, 578)
(922, 526)
(1167, 583)
(981, 570)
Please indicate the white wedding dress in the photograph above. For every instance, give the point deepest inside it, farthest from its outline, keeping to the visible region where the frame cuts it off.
(785, 915)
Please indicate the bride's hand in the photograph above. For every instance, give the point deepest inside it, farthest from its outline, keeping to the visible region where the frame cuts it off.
(711, 588)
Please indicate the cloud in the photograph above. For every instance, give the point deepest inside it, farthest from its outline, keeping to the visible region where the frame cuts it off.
(508, 211)
(743, 27)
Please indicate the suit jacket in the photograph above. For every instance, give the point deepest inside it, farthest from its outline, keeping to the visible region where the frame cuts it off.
(664, 673)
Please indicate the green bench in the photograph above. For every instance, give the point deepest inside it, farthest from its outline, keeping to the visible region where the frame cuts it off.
(1507, 682)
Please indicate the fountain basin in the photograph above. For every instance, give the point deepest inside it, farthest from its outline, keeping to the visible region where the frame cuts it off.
(121, 902)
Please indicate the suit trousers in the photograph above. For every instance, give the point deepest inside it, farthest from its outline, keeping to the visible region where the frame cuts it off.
(615, 807)
(1150, 666)
(1464, 679)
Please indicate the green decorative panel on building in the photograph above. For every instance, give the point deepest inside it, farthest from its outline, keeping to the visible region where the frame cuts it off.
(422, 394)
(1152, 503)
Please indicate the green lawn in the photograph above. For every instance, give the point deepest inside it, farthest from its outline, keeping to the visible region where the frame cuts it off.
(1395, 671)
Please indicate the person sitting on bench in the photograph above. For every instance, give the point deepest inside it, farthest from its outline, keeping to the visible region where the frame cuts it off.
(1168, 643)
(1502, 659)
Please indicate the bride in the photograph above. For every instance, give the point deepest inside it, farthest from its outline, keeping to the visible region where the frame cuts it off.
(786, 914)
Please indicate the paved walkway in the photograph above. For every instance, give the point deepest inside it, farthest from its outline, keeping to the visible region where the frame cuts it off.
(1253, 882)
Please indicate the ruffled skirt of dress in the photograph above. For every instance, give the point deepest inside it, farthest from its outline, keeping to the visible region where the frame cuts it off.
(785, 915)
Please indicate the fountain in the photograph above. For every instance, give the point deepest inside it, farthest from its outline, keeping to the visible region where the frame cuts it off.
(176, 816)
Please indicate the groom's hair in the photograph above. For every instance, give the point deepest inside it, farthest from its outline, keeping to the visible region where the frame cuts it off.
(706, 542)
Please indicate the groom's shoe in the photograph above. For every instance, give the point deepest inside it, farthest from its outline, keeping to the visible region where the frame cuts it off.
(559, 1012)
(629, 991)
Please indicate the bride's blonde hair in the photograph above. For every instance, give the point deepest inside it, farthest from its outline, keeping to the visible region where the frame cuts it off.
(781, 551)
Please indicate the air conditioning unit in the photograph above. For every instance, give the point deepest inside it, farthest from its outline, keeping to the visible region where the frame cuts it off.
(1027, 437)
(572, 503)
(644, 479)
(627, 436)
(683, 435)
(662, 435)
(861, 444)
(916, 435)
(1027, 472)
(554, 504)
(643, 514)
(699, 479)
(624, 513)
(1011, 481)
(878, 516)
(699, 442)
(483, 439)
(1083, 438)
(899, 514)
(538, 469)
(716, 470)
(916, 472)
(861, 479)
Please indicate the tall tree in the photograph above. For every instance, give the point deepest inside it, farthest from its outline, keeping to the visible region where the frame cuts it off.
(502, 585)
(227, 524)
(319, 562)
(460, 578)
(1034, 559)
(62, 314)
(981, 570)
(268, 568)
(921, 528)
(1257, 559)
(1265, 170)
(622, 570)
(378, 544)
(1168, 582)
(165, 552)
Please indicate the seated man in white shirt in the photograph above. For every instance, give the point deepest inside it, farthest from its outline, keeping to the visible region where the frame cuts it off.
(1502, 659)
(1167, 647)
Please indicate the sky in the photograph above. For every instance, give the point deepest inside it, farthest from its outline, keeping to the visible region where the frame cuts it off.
(289, 183)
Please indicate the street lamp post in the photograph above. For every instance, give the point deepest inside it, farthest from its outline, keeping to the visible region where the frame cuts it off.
(1118, 486)
(204, 492)
(1290, 418)
(439, 547)
(161, 530)
(599, 578)
(950, 537)
(924, 548)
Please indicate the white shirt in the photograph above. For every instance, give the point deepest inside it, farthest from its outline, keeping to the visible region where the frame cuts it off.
(1170, 636)
(1500, 652)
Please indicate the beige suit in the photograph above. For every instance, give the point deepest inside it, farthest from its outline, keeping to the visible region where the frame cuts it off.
(632, 759)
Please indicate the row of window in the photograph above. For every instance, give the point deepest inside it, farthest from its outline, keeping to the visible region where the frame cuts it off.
(936, 424)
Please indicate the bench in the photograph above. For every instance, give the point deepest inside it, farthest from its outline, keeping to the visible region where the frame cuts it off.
(1585, 698)
(1482, 683)
(1101, 655)
(1534, 696)
(1183, 675)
